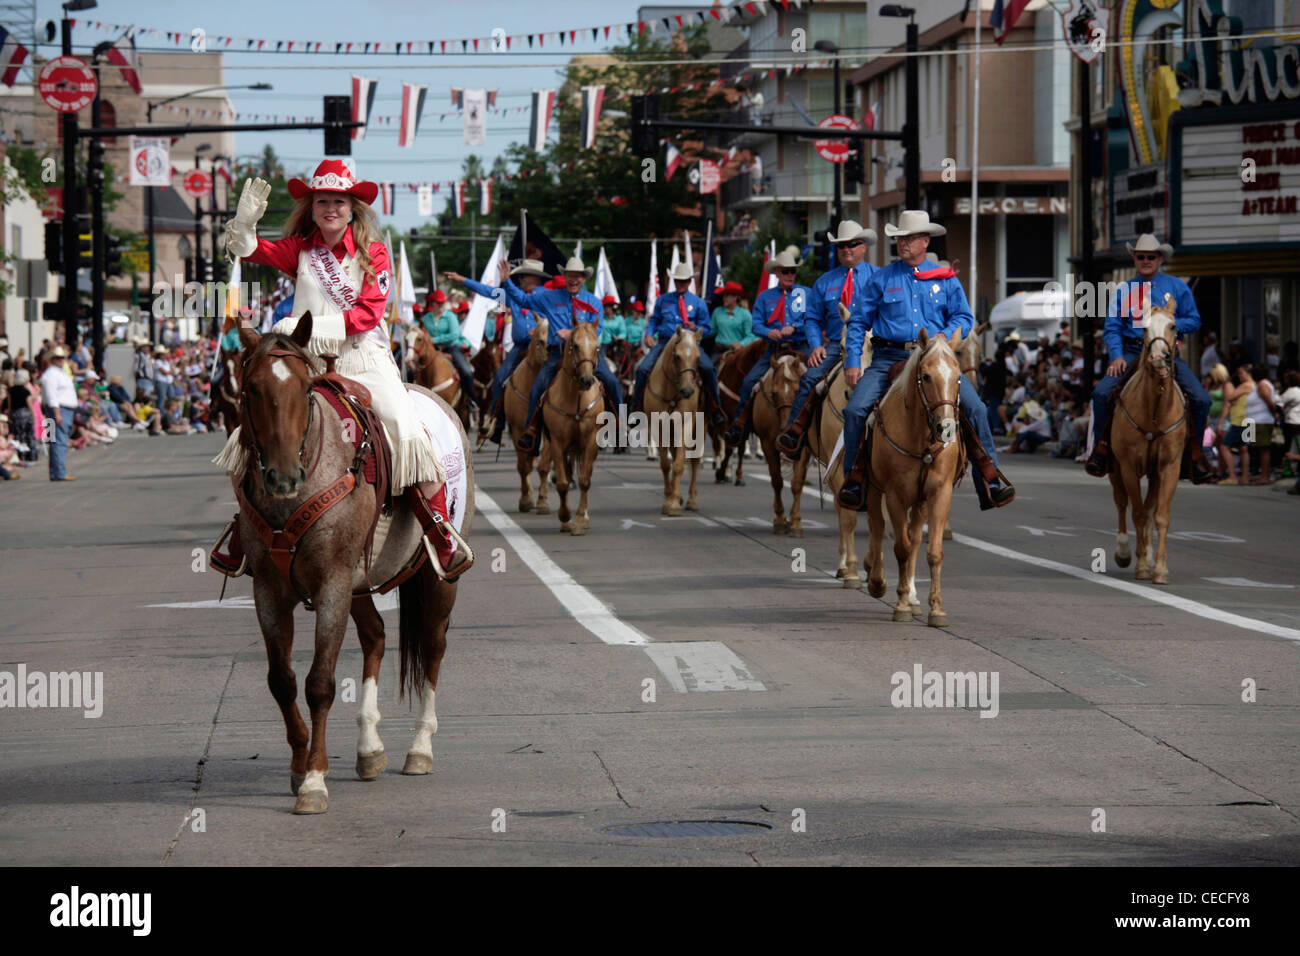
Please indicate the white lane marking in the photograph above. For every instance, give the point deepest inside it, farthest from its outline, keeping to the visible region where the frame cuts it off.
(1138, 590)
(586, 609)
(702, 666)
(280, 370)
(243, 602)
(631, 523)
(1246, 583)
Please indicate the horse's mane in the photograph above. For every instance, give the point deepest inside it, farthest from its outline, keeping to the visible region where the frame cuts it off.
(277, 340)
(909, 370)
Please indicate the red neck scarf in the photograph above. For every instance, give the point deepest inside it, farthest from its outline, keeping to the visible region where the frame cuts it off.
(938, 272)
(846, 294)
(778, 314)
(681, 310)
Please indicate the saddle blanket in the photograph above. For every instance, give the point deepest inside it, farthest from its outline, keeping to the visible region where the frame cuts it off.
(447, 441)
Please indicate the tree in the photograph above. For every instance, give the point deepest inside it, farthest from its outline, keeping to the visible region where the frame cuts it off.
(746, 267)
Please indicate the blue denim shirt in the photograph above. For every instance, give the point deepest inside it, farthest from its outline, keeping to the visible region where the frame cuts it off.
(798, 300)
(1130, 298)
(897, 305)
(824, 324)
(556, 306)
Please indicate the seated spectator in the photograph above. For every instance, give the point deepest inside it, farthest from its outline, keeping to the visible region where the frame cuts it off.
(147, 414)
(9, 454)
(174, 420)
(1031, 427)
(117, 394)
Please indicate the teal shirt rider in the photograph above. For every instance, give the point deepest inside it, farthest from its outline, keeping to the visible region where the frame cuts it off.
(733, 326)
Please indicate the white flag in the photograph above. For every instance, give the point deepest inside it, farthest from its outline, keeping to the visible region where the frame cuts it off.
(690, 261)
(605, 279)
(577, 252)
(424, 198)
(475, 108)
(405, 289)
(652, 287)
(772, 280)
(481, 305)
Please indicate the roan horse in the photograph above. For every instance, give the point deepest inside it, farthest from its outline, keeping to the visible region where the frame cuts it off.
(569, 411)
(296, 448)
(1149, 442)
(515, 408)
(673, 395)
(435, 371)
(773, 399)
(918, 412)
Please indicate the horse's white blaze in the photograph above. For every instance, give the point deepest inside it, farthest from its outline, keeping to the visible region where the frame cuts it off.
(280, 370)
(946, 373)
(427, 725)
(315, 780)
(368, 741)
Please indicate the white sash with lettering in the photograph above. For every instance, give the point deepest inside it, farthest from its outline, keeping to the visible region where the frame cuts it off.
(332, 280)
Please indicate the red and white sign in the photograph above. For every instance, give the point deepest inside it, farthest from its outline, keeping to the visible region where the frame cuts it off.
(66, 84)
(198, 183)
(150, 162)
(830, 150)
(710, 176)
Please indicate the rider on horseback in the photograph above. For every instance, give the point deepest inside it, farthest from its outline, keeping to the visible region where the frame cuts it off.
(530, 274)
(899, 301)
(1125, 329)
(333, 249)
(779, 315)
(444, 330)
(732, 322)
(673, 310)
(845, 285)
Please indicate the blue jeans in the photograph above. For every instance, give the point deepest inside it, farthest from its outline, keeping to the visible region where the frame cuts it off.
(512, 360)
(751, 380)
(463, 369)
(810, 379)
(1198, 399)
(144, 385)
(59, 447)
(707, 373)
(112, 413)
(164, 390)
(874, 384)
(613, 391)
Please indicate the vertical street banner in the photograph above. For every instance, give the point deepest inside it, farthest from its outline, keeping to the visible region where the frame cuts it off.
(1085, 23)
(543, 106)
(122, 55)
(484, 197)
(388, 195)
(412, 106)
(424, 199)
(592, 98)
(652, 287)
(363, 98)
(458, 197)
(12, 55)
(481, 305)
(605, 284)
(150, 161)
(475, 111)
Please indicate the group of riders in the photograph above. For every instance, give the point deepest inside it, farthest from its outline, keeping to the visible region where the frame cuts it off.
(332, 248)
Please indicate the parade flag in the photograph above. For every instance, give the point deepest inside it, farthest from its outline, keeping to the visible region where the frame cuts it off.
(605, 279)
(475, 108)
(543, 106)
(484, 197)
(711, 280)
(872, 118)
(363, 98)
(690, 261)
(412, 106)
(122, 54)
(405, 289)
(424, 199)
(533, 243)
(457, 97)
(12, 55)
(652, 287)
(388, 193)
(592, 98)
(1004, 16)
(674, 160)
(577, 250)
(481, 306)
(458, 197)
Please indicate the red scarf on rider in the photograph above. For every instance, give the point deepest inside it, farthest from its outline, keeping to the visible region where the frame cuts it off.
(681, 310)
(778, 314)
(846, 294)
(939, 272)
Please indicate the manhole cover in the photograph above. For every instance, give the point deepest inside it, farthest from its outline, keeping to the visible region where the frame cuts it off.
(684, 828)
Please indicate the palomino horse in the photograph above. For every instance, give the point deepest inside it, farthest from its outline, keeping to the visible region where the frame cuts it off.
(970, 353)
(916, 458)
(435, 371)
(673, 395)
(773, 399)
(295, 451)
(732, 368)
(569, 411)
(1147, 439)
(515, 406)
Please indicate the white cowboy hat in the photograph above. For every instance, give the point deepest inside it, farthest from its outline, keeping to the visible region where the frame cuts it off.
(912, 221)
(160, 350)
(1013, 337)
(140, 340)
(1149, 243)
(786, 259)
(575, 265)
(848, 231)
(58, 352)
(1031, 409)
(682, 271)
(530, 267)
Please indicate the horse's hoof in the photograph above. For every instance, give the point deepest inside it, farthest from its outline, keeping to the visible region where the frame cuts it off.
(578, 530)
(795, 532)
(566, 528)
(525, 506)
(916, 610)
(671, 511)
(1123, 560)
(692, 506)
(938, 619)
(417, 764)
(542, 510)
(947, 533)
(370, 766)
(719, 479)
(1160, 577)
(740, 482)
(854, 584)
(1143, 574)
(876, 588)
(841, 572)
(295, 781)
(902, 614)
(312, 801)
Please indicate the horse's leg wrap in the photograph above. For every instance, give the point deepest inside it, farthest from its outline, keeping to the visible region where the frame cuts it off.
(232, 562)
(453, 554)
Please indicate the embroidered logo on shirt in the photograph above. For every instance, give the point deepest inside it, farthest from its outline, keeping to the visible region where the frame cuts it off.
(381, 281)
(892, 291)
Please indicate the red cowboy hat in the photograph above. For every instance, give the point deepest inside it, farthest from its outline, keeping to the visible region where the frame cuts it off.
(556, 283)
(461, 306)
(638, 307)
(333, 176)
(437, 295)
(609, 300)
(417, 308)
(733, 288)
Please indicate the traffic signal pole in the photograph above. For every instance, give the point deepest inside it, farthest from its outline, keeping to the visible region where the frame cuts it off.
(95, 176)
(71, 208)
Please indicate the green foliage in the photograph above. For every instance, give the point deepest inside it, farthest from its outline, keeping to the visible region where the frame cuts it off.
(26, 164)
(279, 203)
(746, 266)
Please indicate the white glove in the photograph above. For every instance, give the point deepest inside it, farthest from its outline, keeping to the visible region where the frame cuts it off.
(241, 232)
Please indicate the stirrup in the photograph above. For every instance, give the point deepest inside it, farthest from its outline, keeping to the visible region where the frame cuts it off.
(462, 547)
(219, 562)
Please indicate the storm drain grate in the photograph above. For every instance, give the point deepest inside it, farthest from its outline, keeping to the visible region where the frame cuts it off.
(684, 828)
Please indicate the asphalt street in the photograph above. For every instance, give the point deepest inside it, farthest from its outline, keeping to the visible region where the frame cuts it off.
(669, 669)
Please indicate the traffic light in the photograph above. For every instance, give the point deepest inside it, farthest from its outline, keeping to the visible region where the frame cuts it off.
(645, 139)
(853, 167)
(822, 252)
(112, 256)
(85, 249)
(54, 245)
(96, 167)
(338, 141)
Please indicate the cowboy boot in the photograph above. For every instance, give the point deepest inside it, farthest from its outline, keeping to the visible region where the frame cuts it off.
(232, 562)
(791, 441)
(451, 553)
(997, 490)
(853, 493)
(1098, 463)
(1201, 471)
(527, 442)
(736, 434)
(717, 417)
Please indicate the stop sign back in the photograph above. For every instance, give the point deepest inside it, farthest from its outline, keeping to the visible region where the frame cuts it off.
(198, 183)
(831, 150)
(66, 84)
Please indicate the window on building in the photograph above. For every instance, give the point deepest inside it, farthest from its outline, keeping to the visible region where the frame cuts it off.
(15, 241)
(1031, 252)
(847, 29)
(108, 117)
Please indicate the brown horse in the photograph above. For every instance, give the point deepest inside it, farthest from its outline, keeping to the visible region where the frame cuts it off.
(773, 399)
(515, 405)
(435, 371)
(295, 449)
(569, 412)
(1147, 439)
(916, 458)
(485, 363)
(673, 395)
(732, 368)
(225, 398)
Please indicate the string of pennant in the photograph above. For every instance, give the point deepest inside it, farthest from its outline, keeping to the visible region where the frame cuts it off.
(496, 43)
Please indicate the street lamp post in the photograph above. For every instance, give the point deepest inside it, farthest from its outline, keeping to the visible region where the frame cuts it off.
(199, 271)
(912, 128)
(71, 206)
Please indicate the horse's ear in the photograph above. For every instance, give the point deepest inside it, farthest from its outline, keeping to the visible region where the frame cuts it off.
(956, 340)
(1169, 301)
(302, 331)
(923, 338)
(982, 327)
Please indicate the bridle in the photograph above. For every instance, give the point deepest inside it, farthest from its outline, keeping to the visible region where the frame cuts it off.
(675, 375)
(1162, 361)
(939, 443)
(246, 417)
(931, 411)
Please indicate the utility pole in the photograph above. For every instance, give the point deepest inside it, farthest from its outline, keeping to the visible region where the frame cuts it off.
(71, 208)
(912, 129)
(1086, 323)
(95, 176)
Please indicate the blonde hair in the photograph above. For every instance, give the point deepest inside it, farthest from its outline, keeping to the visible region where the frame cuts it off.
(365, 226)
(1219, 373)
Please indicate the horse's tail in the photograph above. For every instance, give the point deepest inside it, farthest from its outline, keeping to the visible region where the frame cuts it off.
(414, 614)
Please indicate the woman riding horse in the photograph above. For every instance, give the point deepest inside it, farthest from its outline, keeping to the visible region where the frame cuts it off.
(332, 248)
